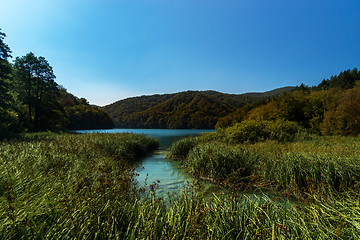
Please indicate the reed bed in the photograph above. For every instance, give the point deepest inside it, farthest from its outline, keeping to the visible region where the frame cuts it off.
(80, 186)
(316, 180)
(189, 215)
(320, 165)
(67, 186)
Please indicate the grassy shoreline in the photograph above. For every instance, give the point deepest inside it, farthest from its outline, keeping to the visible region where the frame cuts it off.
(76, 186)
(318, 165)
(67, 185)
(319, 175)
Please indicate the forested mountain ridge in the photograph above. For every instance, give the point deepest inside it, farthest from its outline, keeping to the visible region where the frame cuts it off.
(190, 109)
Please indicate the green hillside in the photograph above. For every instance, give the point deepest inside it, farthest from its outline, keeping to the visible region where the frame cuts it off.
(191, 109)
(330, 108)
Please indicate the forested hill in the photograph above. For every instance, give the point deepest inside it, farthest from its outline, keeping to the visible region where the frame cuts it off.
(191, 109)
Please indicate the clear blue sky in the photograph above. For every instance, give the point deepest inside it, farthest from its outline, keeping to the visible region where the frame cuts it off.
(106, 50)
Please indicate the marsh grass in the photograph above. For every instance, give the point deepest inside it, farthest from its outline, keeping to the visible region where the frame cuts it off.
(319, 165)
(189, 215)
(68, 185)
(316, 180)
(181, 148)
(73, 186)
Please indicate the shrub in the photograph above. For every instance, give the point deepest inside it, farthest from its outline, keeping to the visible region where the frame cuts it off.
(248, 131)
(282, 130)
(251, 131)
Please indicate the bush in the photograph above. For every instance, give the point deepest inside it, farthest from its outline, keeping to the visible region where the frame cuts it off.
(283, 131)
(252, 131)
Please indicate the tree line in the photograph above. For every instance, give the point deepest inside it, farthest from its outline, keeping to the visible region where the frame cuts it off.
(190, 109)
(332, 107)
(31, 100)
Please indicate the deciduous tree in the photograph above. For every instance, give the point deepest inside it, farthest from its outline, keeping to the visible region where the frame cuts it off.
(38, 91)
(8, 116)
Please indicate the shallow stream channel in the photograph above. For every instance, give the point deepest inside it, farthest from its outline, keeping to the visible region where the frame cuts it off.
(168, 175)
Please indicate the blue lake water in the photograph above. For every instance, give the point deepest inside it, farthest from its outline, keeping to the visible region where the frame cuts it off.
(167, 173)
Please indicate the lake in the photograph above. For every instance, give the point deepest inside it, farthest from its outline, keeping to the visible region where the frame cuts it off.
(167, 173)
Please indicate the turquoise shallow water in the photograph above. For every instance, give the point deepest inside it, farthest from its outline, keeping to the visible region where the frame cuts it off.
(166, 173)
(156, 168)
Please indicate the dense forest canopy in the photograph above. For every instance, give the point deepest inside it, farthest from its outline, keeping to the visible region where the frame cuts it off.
(191, 109)
(31, 100)
(332, 107)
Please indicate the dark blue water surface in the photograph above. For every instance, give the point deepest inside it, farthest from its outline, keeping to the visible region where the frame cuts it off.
(167, 173)
(165, 136)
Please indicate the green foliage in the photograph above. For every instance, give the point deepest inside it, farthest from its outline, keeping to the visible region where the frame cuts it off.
(248, 131)
(329, 108)
(68, 186)
(180, 149)
(344, 116)
(314, 165)
(305, 108)
(254, 131)
(81, 115)
(284, 131)
(88, 117)
(218, 161)
(321, 173)
(31, 100)
(344, 80)
(8, 116)
(248, 216)
(38, 91)
(76, 186)
(318, 166)
(192, 109)
(237, 116)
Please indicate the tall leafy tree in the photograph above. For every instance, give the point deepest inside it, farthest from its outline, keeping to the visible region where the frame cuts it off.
(38, 91)
(5, 70)
(7, 115)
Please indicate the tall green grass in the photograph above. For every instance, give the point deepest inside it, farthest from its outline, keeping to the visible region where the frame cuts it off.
(319, 175)
(220, 161)
(181, 148)
(68, 186)
(316, 166)
(191, 216)
(73, 186)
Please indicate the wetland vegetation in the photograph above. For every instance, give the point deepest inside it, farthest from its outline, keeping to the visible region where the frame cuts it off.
(57, 186)
(313, 181)
(291, 160)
